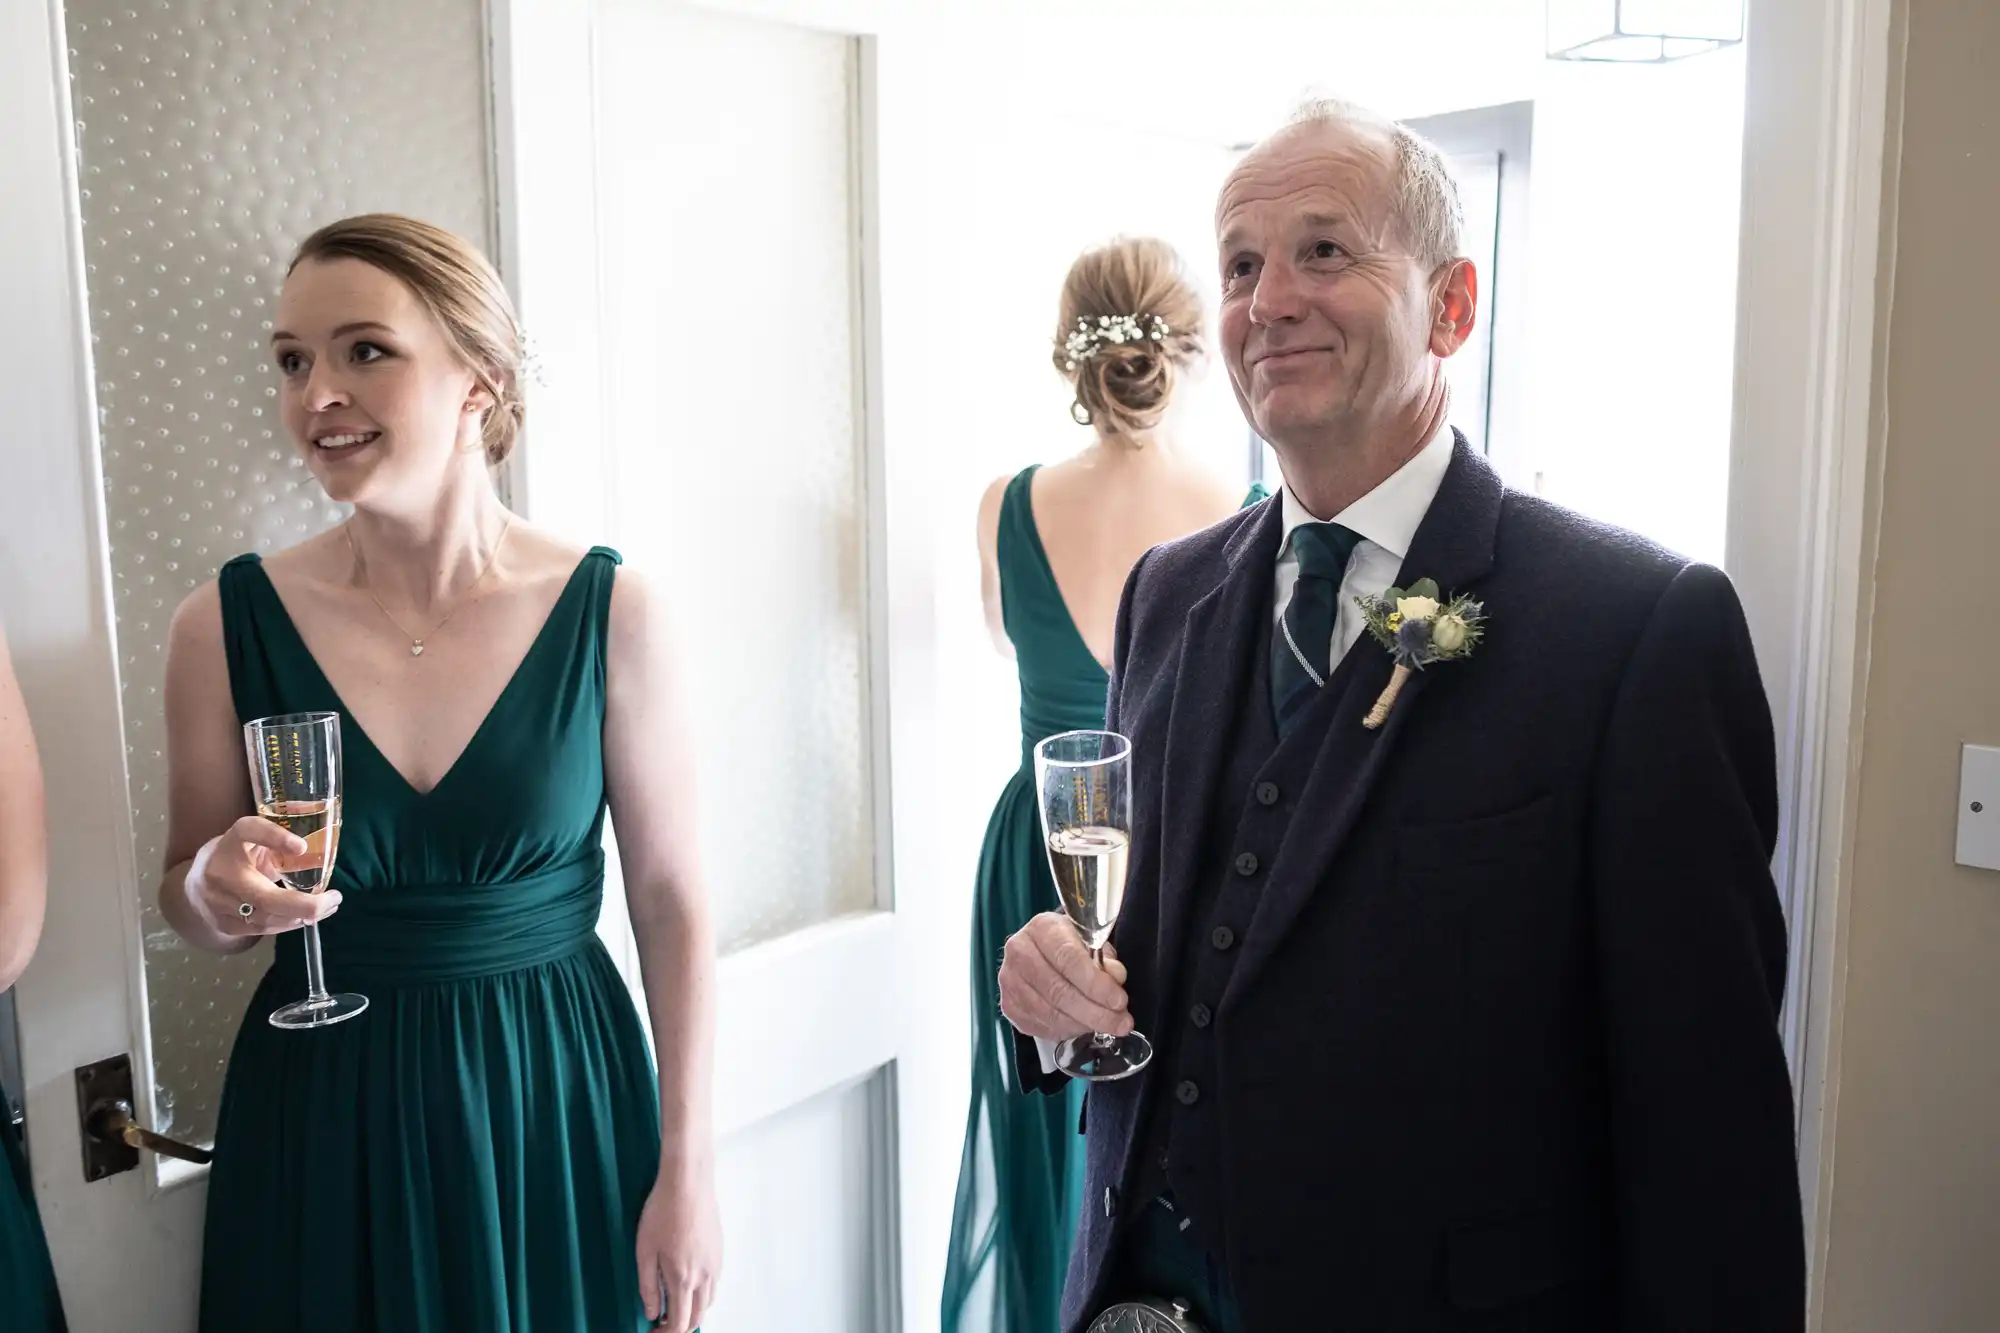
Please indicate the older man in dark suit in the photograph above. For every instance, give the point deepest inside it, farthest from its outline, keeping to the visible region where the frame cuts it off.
(1467, 1020)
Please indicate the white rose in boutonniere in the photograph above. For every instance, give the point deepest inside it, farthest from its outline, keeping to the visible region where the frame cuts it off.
(1416, 608)
(1418, 630)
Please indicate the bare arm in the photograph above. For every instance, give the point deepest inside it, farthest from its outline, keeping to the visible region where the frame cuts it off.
(989, 566)
(219, 853)
(24, 843)
(649, 779)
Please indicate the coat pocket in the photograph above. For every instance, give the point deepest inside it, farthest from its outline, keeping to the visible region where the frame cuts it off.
(1499, 875)
(1519, 838)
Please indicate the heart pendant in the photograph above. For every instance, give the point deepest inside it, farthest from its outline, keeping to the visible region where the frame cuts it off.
(416, 650)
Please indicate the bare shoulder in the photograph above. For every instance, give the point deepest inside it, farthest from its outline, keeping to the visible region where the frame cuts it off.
(197, 676)
(995, 494)
(990, 504)
(641, 623)
(195, 633)
(635, 595)
(1075, 488)
(991, 501)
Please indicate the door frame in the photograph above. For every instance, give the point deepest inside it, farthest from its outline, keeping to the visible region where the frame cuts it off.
(1817, 151)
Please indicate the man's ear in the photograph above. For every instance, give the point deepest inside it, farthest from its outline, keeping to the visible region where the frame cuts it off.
(1454, 306)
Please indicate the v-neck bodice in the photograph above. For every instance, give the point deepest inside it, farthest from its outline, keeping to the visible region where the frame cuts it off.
(474, 1150)
(523, 799)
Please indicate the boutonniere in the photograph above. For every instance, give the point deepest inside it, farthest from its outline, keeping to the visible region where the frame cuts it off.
(1419, 629)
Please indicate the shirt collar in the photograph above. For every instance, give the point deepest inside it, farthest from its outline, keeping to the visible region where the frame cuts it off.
(1390, 514)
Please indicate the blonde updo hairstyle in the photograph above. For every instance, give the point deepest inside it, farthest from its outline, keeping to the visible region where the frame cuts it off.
(460, 289)
(1124, 388)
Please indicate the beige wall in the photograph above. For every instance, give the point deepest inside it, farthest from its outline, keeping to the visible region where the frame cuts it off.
(1914, 1224)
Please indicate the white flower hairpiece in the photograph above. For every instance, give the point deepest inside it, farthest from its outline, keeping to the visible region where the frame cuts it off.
(532, 370)
(1088, 338)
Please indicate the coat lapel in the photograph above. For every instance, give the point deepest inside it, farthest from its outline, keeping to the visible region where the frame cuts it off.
(1218, 648)
(1454, 546)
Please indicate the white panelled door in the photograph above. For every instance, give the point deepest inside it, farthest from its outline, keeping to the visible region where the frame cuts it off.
(708, 290)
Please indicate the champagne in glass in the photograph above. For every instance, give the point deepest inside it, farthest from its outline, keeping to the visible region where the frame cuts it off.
(1089, 864)
(296, 782)
(1085, 779)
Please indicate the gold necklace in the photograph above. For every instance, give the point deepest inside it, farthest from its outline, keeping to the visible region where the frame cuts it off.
(417, 644)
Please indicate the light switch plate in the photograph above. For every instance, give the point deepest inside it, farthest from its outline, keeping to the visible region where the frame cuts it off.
(1979, 807)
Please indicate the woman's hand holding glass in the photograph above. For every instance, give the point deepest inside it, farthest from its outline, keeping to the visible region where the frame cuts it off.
(241, 866)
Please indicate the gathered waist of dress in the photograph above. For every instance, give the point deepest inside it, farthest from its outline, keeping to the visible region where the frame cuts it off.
(1035, 730)
(421, 934)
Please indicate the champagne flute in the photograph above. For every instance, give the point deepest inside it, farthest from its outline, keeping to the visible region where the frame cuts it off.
(1085, 779)
(295, 779)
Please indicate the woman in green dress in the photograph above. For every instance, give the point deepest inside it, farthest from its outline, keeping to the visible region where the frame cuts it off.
(1056, 544)
(27, 1282)
(487, 1146)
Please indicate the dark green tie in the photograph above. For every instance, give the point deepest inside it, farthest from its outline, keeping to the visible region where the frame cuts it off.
(1302, 646)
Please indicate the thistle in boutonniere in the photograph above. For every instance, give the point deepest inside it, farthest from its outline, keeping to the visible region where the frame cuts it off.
(1419, 629)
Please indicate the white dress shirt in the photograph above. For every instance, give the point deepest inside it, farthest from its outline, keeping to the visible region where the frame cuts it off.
(1387, 519)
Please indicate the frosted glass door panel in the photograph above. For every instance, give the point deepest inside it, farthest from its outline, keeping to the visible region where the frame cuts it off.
(732, 403)
(212, 139)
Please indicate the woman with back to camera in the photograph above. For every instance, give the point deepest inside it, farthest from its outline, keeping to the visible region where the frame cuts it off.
(485, 1147)
(27, 1282)
(1056, 544)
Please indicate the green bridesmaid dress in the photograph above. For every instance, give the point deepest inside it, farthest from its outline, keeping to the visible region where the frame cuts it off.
(1020, 1176)
(28, 1299)
(473, 1151)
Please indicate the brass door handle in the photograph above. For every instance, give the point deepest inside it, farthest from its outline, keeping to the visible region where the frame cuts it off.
(110, 1120)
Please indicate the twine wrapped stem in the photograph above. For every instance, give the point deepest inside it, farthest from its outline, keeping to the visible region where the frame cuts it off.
(1380, 712)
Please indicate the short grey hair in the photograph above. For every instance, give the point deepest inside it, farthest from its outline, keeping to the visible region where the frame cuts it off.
(1427, 203)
